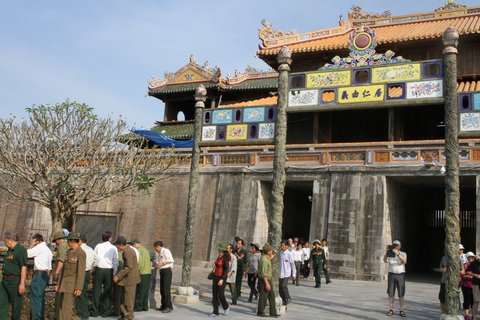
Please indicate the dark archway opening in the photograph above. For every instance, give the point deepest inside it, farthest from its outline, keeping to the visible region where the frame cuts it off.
(418, 218)
(297, 209)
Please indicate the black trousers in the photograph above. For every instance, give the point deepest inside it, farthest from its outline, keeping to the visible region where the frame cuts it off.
(283, 291)
(239, 278)
(218, 294)
(165, 286)
(252, 280)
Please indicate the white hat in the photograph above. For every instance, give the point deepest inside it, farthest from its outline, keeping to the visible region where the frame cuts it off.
(460, 246)
(396, 243)
(469, 254)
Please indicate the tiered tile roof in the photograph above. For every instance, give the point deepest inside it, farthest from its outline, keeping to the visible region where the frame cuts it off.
(429, 25)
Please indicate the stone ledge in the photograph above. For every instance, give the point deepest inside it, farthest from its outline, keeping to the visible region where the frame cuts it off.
(181, 299)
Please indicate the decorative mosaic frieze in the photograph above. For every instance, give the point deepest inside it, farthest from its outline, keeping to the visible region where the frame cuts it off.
(405, 156)
(222, 116)
(404, 72)
(254, 115)
(237, 132)
(297, 98)
(425, 89)
(238, 125)
(267, 131)
(328, 79)
(347, 156)
(470, 121)
(209, 133)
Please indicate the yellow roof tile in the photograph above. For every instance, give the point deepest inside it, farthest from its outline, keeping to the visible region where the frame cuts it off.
(268, 101)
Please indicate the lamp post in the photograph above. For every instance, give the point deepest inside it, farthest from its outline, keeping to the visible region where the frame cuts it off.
(452, 190)
(200, 98)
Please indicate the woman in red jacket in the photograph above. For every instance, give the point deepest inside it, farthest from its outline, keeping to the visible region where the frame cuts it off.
(219, 280)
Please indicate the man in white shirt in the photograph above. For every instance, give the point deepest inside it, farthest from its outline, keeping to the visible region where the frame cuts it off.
(42, 257)
(105, 269)
(326, 269)
(81, 303)
(396, 261)
(232, 274)
(137, 253)
(165, 264)
(287, 271)
(298, 259)
(306, 255)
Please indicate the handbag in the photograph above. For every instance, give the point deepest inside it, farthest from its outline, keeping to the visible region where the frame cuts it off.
(210, 275)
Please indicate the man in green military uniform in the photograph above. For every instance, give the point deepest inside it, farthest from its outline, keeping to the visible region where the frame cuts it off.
(265, 283)
(60, 241)
(73, 277)
(317, 256)
(145, 266)
(12, 286)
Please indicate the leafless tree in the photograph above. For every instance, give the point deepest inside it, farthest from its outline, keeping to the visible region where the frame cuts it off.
(64, 156)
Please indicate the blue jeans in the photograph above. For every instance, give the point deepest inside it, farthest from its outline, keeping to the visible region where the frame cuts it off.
(37, 295)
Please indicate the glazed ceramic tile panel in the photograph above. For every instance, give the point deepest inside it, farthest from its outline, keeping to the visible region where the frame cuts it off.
(238, 125)
(222, 116)
(476, 101)
(470, 121)
(403, 72)
(267, 131)
(237, 132)
(425, 89)
(298, 98)
(209, 133)
(254, 115)
(328, 79)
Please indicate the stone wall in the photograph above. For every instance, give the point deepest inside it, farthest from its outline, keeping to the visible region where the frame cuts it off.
(359, 211)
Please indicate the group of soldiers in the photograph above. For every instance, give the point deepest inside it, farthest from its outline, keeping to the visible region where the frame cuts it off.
(121, 276)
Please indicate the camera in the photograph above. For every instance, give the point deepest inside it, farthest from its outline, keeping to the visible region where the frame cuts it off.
(390, 253)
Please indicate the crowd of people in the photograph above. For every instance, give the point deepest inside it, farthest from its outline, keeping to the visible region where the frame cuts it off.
(121, 272)
(469, 265)
(234, 263)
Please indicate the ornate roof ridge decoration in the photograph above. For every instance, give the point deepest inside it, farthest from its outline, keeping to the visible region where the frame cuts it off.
(271, 38)
(250, 73)
(274, 38)
(357, 13)
(451, 5)
(362, 43)
(190, 73)
(174, 122)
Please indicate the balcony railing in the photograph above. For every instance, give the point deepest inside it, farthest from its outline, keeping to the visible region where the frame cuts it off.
(372, 153)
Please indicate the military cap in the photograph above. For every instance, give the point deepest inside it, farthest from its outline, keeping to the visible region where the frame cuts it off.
(121, 240)
(74, 235)
(58, 235)
(222, 246)
(10, 235)
(316, 241)
(267, 247)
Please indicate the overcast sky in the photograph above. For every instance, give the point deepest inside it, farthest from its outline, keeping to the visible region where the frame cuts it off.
(102, 52)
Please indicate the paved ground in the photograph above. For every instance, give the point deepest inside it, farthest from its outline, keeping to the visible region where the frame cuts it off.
(341, 299)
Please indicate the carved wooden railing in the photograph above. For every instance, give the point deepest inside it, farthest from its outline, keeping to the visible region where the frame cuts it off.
(379, 153)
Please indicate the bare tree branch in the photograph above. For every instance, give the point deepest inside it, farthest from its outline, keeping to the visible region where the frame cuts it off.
(64, 156)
